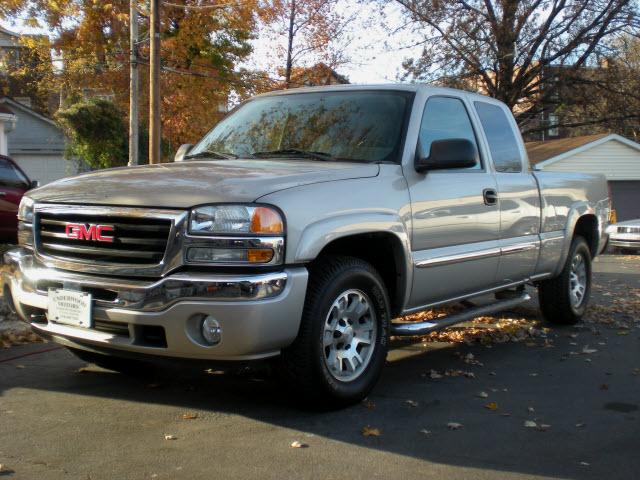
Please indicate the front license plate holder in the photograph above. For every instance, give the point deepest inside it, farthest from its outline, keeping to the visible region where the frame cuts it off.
(69, 307)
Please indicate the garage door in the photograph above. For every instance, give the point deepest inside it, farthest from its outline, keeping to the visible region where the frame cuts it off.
(44, 168)
(626, 199)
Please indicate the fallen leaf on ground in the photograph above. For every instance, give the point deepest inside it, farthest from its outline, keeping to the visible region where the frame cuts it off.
(588, 350)
(482, 394)
(297, 444)
(491, 406)
(493, 374)
(371, 432)
(533, 374)
(170, 437)
(604, 386)
(585, 464)
(426, 432)
(369, 404)
(580, 425)
(411, 403)
(454, 426)
(189, 416)
(530, 424)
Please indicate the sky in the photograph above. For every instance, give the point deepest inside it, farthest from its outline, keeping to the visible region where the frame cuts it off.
(375, 55)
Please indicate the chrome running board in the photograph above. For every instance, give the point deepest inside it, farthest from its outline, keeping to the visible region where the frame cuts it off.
(422, 328)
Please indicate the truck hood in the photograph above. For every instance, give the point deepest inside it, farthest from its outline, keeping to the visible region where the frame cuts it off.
(185, 184)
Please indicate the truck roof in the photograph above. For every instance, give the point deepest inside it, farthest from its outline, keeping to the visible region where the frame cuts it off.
(407, 87)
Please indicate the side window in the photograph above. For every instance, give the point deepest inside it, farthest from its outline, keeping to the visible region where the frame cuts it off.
(502, 141)
(445, 118)
(10, 176)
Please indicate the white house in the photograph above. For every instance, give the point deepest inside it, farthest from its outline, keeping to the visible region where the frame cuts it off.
(36, 144)
(615, 157)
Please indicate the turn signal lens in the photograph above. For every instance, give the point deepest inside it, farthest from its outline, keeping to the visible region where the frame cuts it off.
(266, 220)
(262, 255)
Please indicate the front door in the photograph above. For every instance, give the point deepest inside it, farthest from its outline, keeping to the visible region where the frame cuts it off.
(455, 213)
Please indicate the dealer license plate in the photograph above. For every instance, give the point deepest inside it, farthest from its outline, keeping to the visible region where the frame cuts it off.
(69, 307)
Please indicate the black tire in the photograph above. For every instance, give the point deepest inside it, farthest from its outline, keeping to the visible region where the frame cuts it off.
(555, 294)
(117, 364)
(303, 364)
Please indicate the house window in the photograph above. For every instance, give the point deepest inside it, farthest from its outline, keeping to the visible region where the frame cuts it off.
(553, 130)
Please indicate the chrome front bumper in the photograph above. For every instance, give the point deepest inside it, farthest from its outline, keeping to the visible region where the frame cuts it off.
(259, 313)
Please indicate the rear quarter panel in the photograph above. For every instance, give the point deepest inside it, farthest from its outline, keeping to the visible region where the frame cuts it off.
(565, 197)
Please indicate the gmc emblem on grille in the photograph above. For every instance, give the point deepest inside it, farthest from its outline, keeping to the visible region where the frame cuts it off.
(81, 231)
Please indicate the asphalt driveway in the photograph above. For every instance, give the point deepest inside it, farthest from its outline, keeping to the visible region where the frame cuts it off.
(502, 398)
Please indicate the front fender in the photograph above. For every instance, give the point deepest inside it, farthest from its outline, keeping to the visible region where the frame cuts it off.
(316, 236)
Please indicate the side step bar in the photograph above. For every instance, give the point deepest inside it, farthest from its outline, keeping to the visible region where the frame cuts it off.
(422, 328)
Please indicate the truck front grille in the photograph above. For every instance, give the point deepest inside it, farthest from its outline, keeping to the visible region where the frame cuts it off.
(140, 241)
(628, 229)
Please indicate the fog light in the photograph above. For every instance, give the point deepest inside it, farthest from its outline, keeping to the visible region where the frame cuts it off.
(211, 330)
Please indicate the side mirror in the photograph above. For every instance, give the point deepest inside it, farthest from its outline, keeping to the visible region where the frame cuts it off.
(34, 184)
(449, 153)
(182, 151)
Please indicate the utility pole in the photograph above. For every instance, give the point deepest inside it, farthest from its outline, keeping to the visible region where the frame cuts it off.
(154, 84)
(133, 83)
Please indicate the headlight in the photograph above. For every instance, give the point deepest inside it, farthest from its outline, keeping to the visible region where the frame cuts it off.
(235, 219)
(245, 235)
(25, 210)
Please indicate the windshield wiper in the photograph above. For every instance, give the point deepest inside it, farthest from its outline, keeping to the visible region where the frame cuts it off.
(212, 153)
(294, 151)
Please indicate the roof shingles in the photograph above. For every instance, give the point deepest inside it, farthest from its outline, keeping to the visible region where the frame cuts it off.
(544, 150)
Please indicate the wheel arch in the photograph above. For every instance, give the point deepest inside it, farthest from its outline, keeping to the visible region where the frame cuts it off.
(368, 236)
(582, 220)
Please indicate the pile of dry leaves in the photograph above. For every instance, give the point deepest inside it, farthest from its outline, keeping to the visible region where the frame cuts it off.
(517, 325)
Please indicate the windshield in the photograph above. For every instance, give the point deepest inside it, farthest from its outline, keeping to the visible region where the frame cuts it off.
(348, 125)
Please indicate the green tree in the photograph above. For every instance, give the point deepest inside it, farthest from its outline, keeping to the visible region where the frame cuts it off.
(96, 133)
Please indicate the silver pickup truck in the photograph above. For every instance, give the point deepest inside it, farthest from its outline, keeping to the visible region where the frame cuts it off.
(299, 228)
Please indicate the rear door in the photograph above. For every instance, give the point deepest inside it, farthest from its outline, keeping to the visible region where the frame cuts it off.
(518, 194)
(455, 228)
(13, 184)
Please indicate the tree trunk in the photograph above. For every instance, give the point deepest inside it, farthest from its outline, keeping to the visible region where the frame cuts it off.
(289, 67)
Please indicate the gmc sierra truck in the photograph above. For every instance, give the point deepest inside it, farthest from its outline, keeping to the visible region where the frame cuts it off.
(300, 228)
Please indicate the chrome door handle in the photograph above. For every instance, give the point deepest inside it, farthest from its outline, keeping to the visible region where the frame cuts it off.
(490, 196)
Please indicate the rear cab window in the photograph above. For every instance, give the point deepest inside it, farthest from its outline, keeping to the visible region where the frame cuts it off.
(503, 145)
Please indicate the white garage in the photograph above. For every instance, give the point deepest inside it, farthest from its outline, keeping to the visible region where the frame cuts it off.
(614, 156)
(36, 144)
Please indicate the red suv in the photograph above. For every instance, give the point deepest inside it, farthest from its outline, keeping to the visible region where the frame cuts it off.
(13, 184)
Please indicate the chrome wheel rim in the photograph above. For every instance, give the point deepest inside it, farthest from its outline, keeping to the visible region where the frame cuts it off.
(349, 335)
(577, 280)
